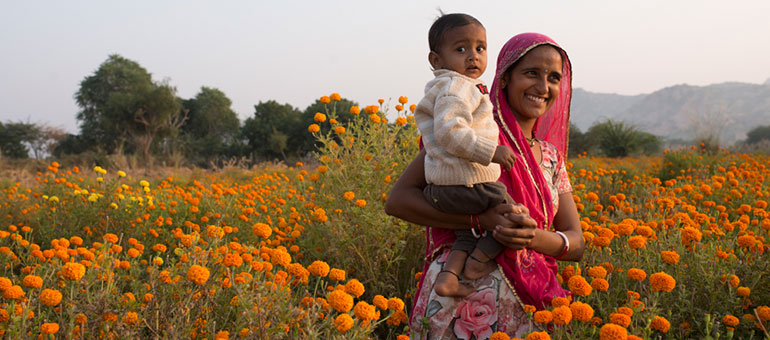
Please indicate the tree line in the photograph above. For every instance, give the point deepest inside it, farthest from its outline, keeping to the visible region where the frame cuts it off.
(124, 111)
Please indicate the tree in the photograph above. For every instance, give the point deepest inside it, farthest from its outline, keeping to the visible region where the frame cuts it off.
(122, 107)
(212, 125)
(578, 141)
(273, 130)
(758, 134)
(12, 140)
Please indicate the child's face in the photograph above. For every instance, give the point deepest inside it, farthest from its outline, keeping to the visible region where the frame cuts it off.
(463, 50)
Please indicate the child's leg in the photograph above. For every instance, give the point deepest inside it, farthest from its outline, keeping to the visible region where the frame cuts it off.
(448, 280)
(481, 262)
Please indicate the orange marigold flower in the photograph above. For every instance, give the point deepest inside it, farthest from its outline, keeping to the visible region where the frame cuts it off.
(313, 128)
(597, 272)
(633, 337)
(538, 336)
(340, 301)
(498, 336)
(730, 320)
(612, 331)
(343, 323)
(262, 230)
(130, 318)
(562, 315)
(620, 319)
(111, 238)
(325, 99)
(80, 319)
(600, 284)
(232, 260)
(14, 292)
(319, 268)
(764, 313)
(746, 241)
(543, 316)
(73, 271)
(349, 195)
(559, 301)
(49, 328)
(660, 324)
(319, 117)
(380, 301)
(50, 297)
(335, 97)
(365, 311)
(360, 203)
(32, 281)
(689, 235)
(529, 309)
(395, 304)
(5, 283)
(355, 287)
(662, 281)
(743, 291)
(197, 274)
(670, 257)
(355, 110)
(579, 286)
(626, 311)
(403, 99)
(636, 274)
(337, 274)
(402, 337)
(582, 312)
(637, 242)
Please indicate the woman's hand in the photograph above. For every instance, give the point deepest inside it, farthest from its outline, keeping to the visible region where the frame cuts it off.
(520, 229)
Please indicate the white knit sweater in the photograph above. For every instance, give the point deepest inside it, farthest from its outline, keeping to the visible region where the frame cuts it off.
(458, 130)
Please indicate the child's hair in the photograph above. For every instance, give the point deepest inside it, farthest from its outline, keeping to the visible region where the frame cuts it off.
(444, 23)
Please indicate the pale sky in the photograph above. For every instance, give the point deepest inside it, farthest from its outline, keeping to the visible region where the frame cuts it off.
(296, 51)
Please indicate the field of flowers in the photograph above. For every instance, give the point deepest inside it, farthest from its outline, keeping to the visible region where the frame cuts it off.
(676, 247)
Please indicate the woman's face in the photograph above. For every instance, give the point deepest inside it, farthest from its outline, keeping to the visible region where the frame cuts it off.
(532, 85)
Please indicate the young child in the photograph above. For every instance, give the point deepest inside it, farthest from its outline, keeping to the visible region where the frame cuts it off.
(460, 139)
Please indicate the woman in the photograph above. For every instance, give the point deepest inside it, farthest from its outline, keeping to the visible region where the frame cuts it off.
(531, 96)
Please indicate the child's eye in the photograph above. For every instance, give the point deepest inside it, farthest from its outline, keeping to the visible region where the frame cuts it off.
(461, 49)
(480, 49)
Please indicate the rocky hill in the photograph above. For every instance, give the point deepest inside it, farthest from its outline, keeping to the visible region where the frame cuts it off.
(728, 110)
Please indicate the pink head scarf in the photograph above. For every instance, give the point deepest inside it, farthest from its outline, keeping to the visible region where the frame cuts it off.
(530, 274)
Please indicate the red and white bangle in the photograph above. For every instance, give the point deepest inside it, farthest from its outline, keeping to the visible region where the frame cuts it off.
(566, 244)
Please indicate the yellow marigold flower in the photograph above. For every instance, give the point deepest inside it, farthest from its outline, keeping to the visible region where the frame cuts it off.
(53, 199)
(355, 110)
(50, 297)
(14, 292)
(49, 328)
(339, 130)
(538, 336)
(543, 316)
(730, 320)
(73, 271)
(620, 319)
(349, 195)
(32, 281)
(325, 100)
(360, 203)
(365, 311)
(111, 238)
(597, 272)
(403, 99)
(579, 286)
(335, 97)
(636, 274)
(341, 301)
(197, 274)
(313, 128)
(354, 287)
(581, 311)
(743, 291)
(562, 315)
(319, 268)
(130, 318)
(319, 117)
(262, 230)
(144, 183)
(660, 324)
(380, 302)
(343, 323)
(662, 281)
(395, 304)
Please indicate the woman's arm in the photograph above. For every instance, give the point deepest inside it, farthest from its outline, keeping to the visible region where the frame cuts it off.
(546, 242)
(406, 201)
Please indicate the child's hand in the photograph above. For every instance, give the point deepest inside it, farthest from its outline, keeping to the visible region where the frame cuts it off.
(504, 156)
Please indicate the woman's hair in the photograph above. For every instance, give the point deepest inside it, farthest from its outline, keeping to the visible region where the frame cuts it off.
(444, 23)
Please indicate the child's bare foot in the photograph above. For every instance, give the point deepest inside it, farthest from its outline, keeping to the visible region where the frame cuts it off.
(448, 284)
(478, 265)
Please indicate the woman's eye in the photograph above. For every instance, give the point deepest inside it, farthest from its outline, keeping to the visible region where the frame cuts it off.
(555, 78)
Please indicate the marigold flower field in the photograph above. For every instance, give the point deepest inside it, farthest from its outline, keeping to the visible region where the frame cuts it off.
(676, 247)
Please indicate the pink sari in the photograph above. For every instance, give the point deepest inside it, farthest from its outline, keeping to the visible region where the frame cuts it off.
(531, 276)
